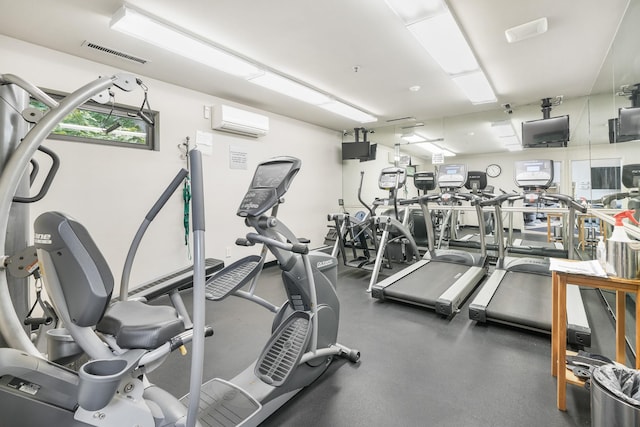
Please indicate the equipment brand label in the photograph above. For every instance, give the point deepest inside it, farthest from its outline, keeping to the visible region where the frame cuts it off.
(43, 239)
(324, 263)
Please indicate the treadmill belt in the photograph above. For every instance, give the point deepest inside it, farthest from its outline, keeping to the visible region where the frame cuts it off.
(523, 299)
(425, 285)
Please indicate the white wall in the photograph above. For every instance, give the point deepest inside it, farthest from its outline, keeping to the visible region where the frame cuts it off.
(110, 189)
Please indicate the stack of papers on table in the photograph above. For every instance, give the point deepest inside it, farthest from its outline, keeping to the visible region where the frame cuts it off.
(587, 268)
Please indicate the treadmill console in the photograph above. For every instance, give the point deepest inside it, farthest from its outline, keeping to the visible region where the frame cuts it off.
(270, 182)
(392, 178)
(452, 176)
(425, 181)
(533, 173)
(476, 181)
(631, 176)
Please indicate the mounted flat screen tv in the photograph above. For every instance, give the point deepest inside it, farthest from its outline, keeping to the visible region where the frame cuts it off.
(373, 149)
(629, 123)
(355, 150)
(552, 132)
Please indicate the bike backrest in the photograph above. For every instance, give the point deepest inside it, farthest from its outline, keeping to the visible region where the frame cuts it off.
(83, 273)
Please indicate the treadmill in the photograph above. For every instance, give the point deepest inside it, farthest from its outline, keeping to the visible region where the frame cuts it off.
(518, 292)
(477, 183)
(535, 172)
(443, 278)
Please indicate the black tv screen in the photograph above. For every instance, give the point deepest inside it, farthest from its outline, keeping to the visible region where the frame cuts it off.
(373, 149)
(606, 178)
(553, 132)
(355, 150)
(629, 123)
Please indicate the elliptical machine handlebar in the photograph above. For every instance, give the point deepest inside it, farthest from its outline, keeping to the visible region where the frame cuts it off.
(371, 211)
(298, 248)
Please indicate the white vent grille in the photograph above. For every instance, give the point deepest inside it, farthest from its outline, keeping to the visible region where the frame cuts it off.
(114, 52)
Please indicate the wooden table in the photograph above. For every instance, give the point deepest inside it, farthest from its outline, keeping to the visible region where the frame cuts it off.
(559, 323)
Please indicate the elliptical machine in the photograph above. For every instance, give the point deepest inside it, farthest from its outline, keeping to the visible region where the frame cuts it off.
(304, 331)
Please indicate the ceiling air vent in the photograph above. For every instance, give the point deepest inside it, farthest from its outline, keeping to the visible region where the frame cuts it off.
(114, 52)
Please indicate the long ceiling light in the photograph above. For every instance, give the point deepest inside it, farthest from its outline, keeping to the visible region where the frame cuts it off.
(290, 88)
(175, 40)
(135, 24)
(348, 111)
(506, 134)
(433, 25)
(435, 149)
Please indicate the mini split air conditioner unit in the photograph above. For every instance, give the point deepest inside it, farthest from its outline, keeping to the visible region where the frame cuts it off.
(234, 120)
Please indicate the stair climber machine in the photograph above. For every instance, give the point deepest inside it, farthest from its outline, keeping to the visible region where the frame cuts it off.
(368, 234)
(396, 241)
(443, 278)
(356, 233)
(518, 292)
(304, 331)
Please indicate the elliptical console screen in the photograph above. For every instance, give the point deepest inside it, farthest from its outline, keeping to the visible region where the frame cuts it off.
(452, 176)
(391, 178)
(270, 182)
(425, 181)
(533, 173)
(631, 176)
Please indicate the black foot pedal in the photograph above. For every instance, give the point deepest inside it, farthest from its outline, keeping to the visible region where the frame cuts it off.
(284, 350)
(231, 278)
(222, 404)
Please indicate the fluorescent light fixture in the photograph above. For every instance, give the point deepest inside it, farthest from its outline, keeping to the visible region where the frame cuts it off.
(433, 148)
(476, 87)
(433, 25)
(503, 129)
(510, 140)
(135, 24)
(290, 88)
(527, 30)
(443, 40)
(413, 138)
(348, 111)
(170, 38)
(506, 133)
(411, 11)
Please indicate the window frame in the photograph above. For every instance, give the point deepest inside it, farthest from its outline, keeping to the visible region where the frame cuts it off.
(152, 140)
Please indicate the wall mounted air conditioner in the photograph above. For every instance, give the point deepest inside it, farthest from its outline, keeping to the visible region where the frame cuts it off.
(225, 118)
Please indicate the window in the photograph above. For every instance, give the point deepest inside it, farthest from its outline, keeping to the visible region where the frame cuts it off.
(108, 124)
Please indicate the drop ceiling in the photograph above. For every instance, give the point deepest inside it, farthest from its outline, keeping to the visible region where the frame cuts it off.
(358, 51)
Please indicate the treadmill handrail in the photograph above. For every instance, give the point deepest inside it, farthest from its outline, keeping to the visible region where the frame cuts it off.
(495, 201)
(568, 201)
(615, 196)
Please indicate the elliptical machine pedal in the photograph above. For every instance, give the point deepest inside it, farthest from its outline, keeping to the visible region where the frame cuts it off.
(232, 278)
(224, 404)
(285, 348)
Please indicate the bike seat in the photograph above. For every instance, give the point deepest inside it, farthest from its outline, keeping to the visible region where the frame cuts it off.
(138, 325)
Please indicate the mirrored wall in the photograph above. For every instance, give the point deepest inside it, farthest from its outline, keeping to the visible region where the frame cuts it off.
(590, 164)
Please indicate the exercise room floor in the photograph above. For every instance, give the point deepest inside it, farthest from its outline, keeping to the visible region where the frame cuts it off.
(416, 369)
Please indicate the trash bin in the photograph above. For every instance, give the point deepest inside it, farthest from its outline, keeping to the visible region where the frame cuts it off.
(615, 397)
